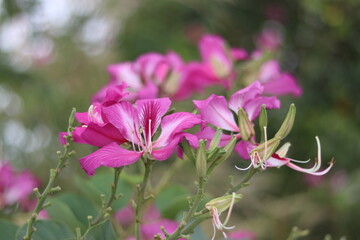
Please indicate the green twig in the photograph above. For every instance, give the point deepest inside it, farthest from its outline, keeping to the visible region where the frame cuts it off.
(244, 182)
(41, 197)
(141, 199)
(190, 214)
(106, 206)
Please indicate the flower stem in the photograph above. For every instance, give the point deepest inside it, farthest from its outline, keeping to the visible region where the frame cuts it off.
(190, 214)
(62, 159)
(141, 199)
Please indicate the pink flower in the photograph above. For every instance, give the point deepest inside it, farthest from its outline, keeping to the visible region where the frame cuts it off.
(16, 186)
(219, 58)
(138, 125)
(216, 111)
(256, 154)
(276, 82)
(150, 76)
(95, 129)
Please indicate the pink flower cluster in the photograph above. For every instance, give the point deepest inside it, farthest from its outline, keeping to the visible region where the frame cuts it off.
(128, 120)
(16, 187)
(155, 75)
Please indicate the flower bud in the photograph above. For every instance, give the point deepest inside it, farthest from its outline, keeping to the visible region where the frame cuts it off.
(215, 140)
(224, 202)
(201, 159)
(228, 150)
(263, 121)
(245, 125)
(288, 123)
(188, 151)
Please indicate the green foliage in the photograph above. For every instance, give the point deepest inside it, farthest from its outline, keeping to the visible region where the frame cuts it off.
(7, 229)
(47, 230)
(171, 201)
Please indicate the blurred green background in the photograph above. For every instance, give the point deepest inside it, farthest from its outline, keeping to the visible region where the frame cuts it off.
(53, 56)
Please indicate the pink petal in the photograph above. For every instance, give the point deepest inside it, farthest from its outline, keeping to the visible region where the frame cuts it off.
(174, 124)
(100, 136)
(149, 91)
(82, 117)
(243, 96)
(214, 110)
(150, 113)
(208, 134)
(253, 107)
(276, 161)
(282, 85)
(238, 53)
(111, 155)
(195, 77)
(116, 93)
(76, 135)
(214, 52)
(124, 117)
(243, 148)
(163, 153)
(124, 72)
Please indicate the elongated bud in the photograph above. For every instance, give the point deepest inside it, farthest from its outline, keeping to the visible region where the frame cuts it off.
(215, 140)
(245, 125)
(288, 123)
(263, 121)
(72, 117)
(228, 150)
(267, 148)
(188, 151)
(224, 202)
(201, 159)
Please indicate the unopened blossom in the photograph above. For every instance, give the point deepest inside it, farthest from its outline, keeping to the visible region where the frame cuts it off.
(138, 125)
(219, 58)
(241, 235)
(16, 186)
(216, 111)
(252, 151)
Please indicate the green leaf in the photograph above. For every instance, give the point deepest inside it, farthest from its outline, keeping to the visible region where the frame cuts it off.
(100, 184)
(172, 200)
(47, 230)
(79, 206)
(62, 212)
(7, 229)
(104, 231)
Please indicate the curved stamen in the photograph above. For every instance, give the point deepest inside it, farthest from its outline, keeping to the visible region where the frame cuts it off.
(299, 161)
(244, 169)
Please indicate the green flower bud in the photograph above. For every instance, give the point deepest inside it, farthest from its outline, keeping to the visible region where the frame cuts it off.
(263, 121)
(245, 125)
(215, 140)
(224, 202)
(201, 159)
(288, 123)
